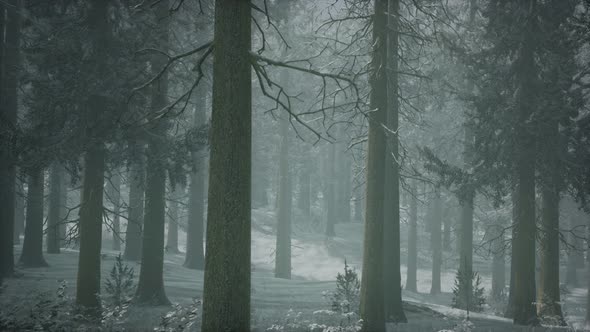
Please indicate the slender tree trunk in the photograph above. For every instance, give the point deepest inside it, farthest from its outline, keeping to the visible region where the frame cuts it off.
(54, 220)
(114, 196)
(150, 287)
(571, 272)
(498, 261)
(588, 299)
(525, 312)
(32, 254)
(305, 187)
(411, 276)
(436, 244)
(9, 66)
(226, 298)
(195, 256)
(283, 241)
(90, 226)
(394, 311)
(331, 193)
(19, 214)
(64, 214)
(173, 218)
(133, 237)
(372, 291)
(447, 225)
(466, 199)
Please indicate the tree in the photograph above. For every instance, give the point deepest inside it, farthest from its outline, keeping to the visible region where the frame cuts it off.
(32, 254)
(391, 230)
(226, 301)
(174, 218)
(195, 256)
(283, 243)
(91, 210)
(372, 297)
(54, 219)
(113, 193)
(9, 64)
(150, 287)
(19, 214)
(136, 202)
(412, 262)
(436, 243)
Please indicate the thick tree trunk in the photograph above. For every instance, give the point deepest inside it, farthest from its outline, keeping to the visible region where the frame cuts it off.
(226, 298)
(588, 299)
(54, 219)
(372, 291)
(91, 213)
(447, 225)
(114, 196)
(394, 311)
(283, 241)
(412, 262)
(195, 256)
(549, 296)
(32, 254)
(64, 213)
(525, 312)
(173, 218)
(436, 244)
(133, 237)
(9, 66)
(466, 199)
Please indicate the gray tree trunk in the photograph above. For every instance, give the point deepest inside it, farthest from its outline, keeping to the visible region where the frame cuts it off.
(32, 254)
(372, 291)
(436, 244)
(498, 261)
(19, 213)
(283, 241)
(114, 196)
(412, 262)
(54, 219)
(331, 194)
(133, 233)
(226, 297)
(173, 218)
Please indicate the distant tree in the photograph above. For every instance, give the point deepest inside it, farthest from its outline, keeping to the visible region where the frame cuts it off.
(436, 243)
(175, 195)
(113, 194)
(54, 218)
(32, 254)
(412, 261)
(133, 233)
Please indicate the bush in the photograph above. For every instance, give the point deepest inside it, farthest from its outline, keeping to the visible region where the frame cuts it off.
(181, 318)
(462, 298)
(346, 297)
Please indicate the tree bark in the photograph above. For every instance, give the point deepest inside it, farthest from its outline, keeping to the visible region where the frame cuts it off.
(305, 187)
(9, 66)
(411, 275)
(226, 298)
(195, 256)
(133, 237)
(173, 218)
(91, 212)
(283, 241)
(19, 214)
(394, 311)
(114, 196)
(331, 199)
(32, 254)
(54, 219)
(525, 312)
(498, 261)
(436, 244)
(372, 297)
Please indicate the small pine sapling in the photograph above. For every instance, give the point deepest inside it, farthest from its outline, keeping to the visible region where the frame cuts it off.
(346, 298)
(119, 285)
(465, 299)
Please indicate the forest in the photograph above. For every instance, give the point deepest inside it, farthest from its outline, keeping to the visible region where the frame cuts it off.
(295, 165)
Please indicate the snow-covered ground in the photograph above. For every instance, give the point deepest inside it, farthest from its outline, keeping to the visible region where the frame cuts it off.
(316, 261)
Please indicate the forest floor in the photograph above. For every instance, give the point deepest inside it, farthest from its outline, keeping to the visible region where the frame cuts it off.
(300, 304)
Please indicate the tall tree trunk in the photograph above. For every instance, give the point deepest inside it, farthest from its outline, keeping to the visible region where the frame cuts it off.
(331, 199)
(133, 237)
(466, 199)
(498, 261)
(150, 287)
(283, 241)
(173, 218)
(436, 244)
(32, 254)
(588, 298)
(394, 311)
(195, 256)
(64, 213)
(54, 219)
(114, 196)
(226, 298)
(19, 213)
(9, 66)
(549, 297)
(447, 225)
(411, 275)
(372, 297)
(571, 272)
(525, 312)
(90, 226)
(91, 210)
